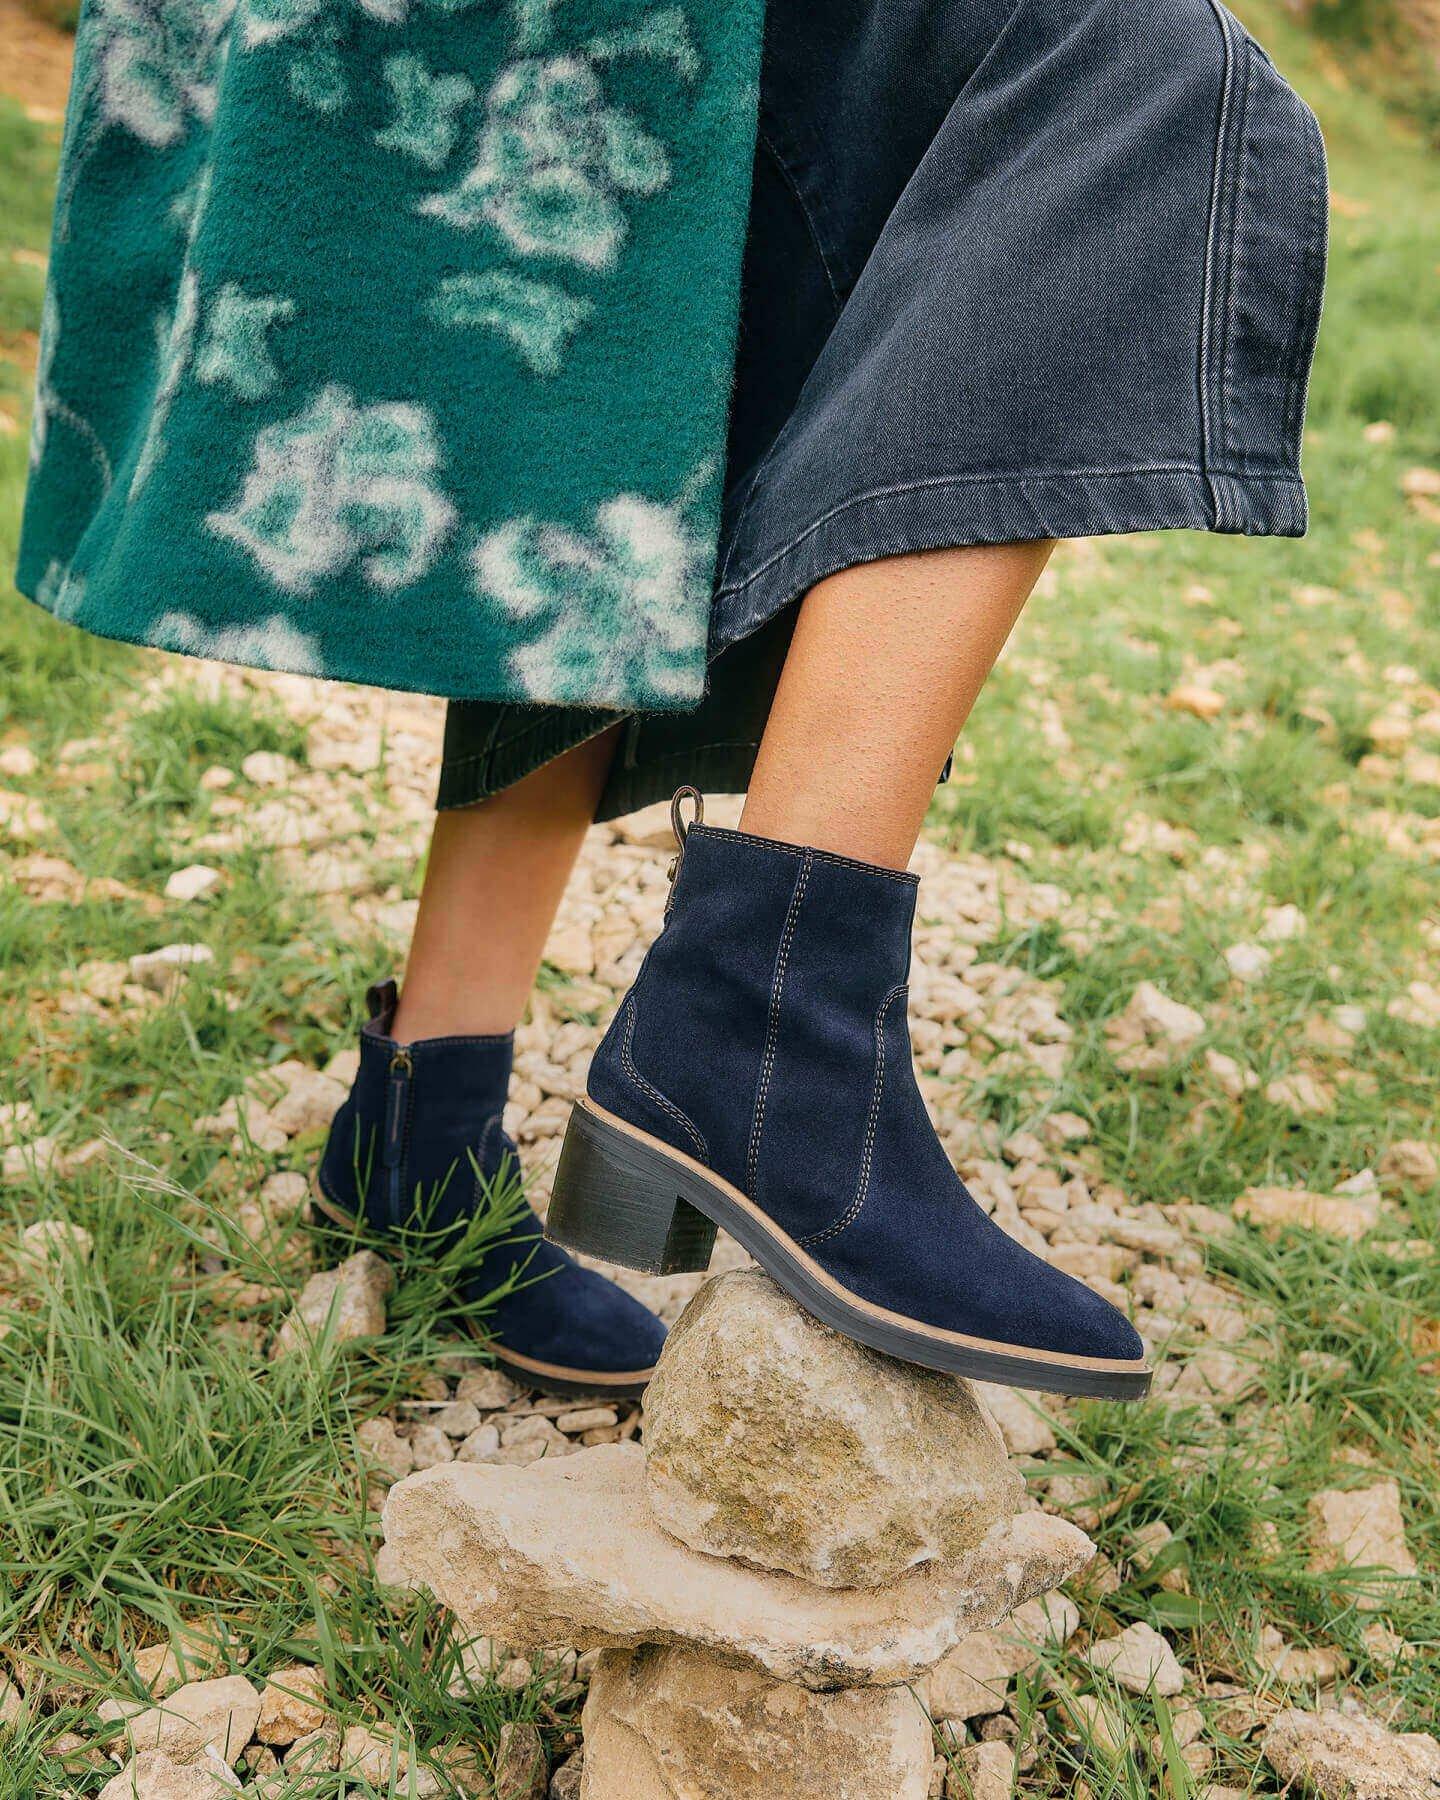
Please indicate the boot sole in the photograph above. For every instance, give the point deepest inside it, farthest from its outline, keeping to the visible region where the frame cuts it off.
(623, 1196)
(559, 1379)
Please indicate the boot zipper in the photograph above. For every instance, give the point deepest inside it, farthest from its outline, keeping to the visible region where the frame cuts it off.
(397, 1117)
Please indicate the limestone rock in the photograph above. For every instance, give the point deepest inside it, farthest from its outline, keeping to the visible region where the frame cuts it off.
(1338, 1215)
(1411, 1163)
(356, 1291)
(18, 759)
(565, 1552)
(1025, 1428)
(1248, 962)
(774, 1439)
(1153, 1031)
(487, 1389)
(1346, 1756)
(163, 970)
(1196, 698)
(371, 1757)
(191, 882)
(48, 1244)
(316, 1751)
(220, 1714)
(521, 1770)
(155, 1776)
(267, 768)
(1140, 1660)
(429, 1445)
(1361, 1528)
(381, 1445)
(679, 1724)
(972, 1680)
(1096, 1723)
(989, 1771)
(309, 1102)
(291, 1705)
(565, 1783)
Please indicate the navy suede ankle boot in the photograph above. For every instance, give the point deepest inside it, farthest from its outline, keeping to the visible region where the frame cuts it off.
(759, 1076)
(414, 1118)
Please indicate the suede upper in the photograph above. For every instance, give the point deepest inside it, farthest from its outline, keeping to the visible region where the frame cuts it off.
(414, 1118)
(766, 1035)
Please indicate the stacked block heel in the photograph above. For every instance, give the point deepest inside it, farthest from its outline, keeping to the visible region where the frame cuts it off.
(617, 1199)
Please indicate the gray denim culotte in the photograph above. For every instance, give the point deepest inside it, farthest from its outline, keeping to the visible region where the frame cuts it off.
(1016, 269)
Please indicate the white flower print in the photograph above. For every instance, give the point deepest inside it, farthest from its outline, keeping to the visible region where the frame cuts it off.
(339, 482)
(625, 609)
(273, 643)
(553, 164)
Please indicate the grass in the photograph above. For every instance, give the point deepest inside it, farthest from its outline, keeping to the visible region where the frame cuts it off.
(155, 1470)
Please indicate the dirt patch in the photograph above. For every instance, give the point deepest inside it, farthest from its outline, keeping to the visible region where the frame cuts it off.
(34, 62)
(21, 348)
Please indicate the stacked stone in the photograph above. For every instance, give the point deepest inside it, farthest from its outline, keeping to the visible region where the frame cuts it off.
(810, 1529)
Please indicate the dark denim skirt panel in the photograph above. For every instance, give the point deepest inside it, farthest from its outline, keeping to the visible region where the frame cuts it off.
(1046, 269)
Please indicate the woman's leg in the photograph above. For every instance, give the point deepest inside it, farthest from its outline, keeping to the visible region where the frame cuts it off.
(494, 879)
(421, 1135)
(759, 1073)
(885, 665)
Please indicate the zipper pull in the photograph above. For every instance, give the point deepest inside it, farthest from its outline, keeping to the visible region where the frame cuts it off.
(396, 1107)
(681, 830)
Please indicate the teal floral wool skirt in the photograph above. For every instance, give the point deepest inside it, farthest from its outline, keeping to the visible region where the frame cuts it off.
(392, 340)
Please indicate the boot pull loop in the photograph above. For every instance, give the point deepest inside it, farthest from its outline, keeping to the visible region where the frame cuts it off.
(682, 831)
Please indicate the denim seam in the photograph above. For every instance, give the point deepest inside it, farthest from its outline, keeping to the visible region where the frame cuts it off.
(1313, 293)
(744, 512)
(1235, 226)
(651, 1092)
(1203, 360)
(862, 1188)
(794, 186)
(772, 1026)
(1212, 312)
(1013, 478)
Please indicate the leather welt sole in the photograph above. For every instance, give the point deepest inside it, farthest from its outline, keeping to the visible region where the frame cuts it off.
(622, 1195)
(559, 1379)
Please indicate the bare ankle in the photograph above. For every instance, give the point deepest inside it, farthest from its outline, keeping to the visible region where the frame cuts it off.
(422, 1016)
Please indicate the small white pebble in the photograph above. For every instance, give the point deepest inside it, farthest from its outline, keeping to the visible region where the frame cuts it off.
(587, 1418)
(18, 759)
(191, 882)
(267, 768)
(49, 1242)
(430, 1446)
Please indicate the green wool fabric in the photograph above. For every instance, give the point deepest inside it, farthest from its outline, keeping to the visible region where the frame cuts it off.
(392, 340)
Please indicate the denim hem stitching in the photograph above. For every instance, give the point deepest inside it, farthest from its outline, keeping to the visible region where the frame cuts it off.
(1010, 479)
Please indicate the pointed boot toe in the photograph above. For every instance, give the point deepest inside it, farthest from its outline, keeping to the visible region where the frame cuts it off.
(573, 1331)
(759, 1077)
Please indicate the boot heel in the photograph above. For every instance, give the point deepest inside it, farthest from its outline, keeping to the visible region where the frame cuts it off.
(616, 1198)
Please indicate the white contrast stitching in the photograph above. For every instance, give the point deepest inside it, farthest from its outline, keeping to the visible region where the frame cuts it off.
(650, 1092)
(772, 1028)
(852, 1212)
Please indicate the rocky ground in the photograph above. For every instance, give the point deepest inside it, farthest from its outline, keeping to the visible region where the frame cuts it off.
(1177, 1010)
(1227, 1589)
